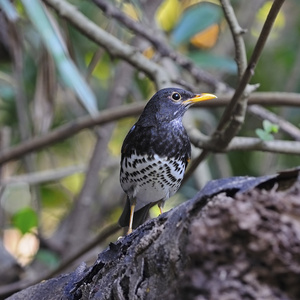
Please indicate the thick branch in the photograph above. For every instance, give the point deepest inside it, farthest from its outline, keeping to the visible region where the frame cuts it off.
(221, 244)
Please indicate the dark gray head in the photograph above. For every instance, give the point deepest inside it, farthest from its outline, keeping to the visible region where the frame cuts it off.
(169, 104)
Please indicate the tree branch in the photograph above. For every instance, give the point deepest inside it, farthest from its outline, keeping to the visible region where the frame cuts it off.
(68, 130)
(112, 45)
(237, 32)
(158, 43)
(234, 114)
(43, 176)
(114, 114)
(245, 144)
(232, 119)
(188, 253)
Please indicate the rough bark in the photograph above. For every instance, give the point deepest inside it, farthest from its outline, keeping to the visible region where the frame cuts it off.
(238, 238)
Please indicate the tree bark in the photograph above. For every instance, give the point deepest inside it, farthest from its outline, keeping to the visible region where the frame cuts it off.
(238, 238)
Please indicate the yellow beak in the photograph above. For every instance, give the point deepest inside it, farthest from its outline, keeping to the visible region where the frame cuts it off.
(198, 98)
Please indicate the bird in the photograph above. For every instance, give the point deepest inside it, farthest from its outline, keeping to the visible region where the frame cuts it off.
(155, 154)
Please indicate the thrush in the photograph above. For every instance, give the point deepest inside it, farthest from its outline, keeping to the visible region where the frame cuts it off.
(155, 154)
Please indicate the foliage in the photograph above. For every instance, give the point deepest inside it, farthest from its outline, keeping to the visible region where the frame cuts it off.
(266, 134)
(25, 219)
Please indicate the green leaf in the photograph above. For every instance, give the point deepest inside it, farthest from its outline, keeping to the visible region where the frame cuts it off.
(67, 69)
(264, 135)
(270, 127)
(210, 61)
(25, 219)
(194, 20)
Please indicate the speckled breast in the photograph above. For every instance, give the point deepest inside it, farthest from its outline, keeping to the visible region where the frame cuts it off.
(150, 179)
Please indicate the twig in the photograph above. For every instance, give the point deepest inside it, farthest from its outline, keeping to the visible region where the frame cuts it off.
(112, 45)
(247, 144)
(43, 176)
(237, 32)
(159, 44)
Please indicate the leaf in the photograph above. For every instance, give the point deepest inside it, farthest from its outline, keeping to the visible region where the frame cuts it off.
(263, 135)
(25, 219)
(52, 39)
(260, 19)
(270, 127)
(211, 61)
(194, 20)
(168, 13)
(207, 38)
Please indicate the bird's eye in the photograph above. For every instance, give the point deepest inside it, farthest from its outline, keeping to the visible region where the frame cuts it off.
(176, 96)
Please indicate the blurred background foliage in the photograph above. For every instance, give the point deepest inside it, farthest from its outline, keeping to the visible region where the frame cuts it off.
(50, 75)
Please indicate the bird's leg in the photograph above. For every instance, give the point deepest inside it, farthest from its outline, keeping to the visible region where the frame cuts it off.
(160, 206)
(132, 207)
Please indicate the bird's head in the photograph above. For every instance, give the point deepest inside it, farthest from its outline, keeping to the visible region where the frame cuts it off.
(170, 104)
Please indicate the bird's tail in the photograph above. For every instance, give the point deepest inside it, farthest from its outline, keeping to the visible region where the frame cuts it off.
(139, 216)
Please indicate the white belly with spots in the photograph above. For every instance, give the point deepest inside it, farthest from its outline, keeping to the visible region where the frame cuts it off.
(150, 180)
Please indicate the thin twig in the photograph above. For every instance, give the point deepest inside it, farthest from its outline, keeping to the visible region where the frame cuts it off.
(237, 32)
(247, 144)
(43, 176)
